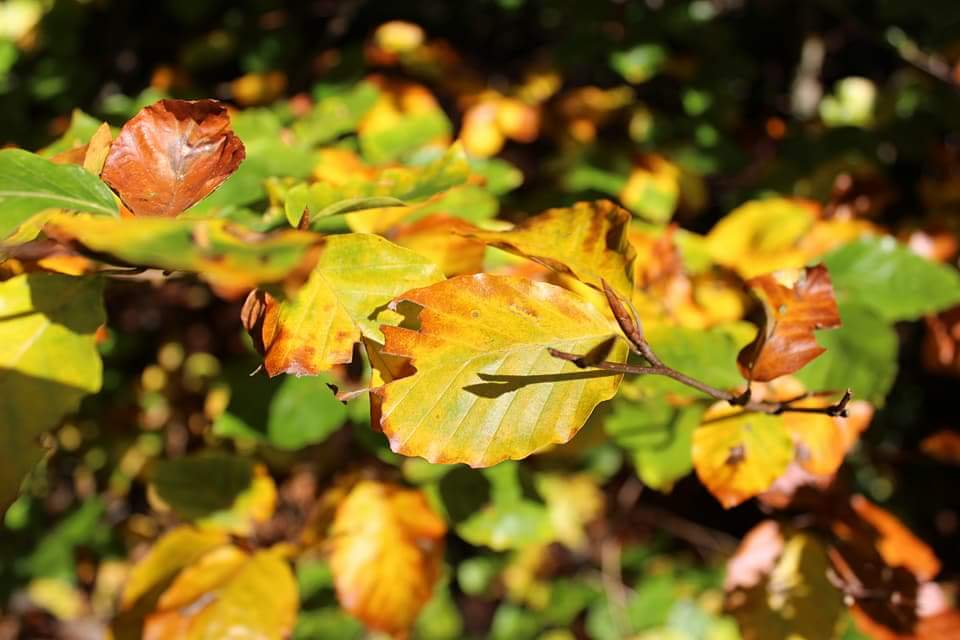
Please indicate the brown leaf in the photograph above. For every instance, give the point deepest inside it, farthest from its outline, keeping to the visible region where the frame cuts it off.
(786, 340)
(171, 155)
(943, 446)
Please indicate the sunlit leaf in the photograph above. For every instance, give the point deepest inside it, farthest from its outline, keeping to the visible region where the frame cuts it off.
(738, 455)
(386, 549)
(228, 593)
(355, 276)
(786, 340)
(171, 155)
(587, 241)
(486, 388)
(224, 254)
(48, 363)
(891, 280)
(30, 184)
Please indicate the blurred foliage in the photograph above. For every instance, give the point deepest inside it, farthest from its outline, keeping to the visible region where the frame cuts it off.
(743, 136)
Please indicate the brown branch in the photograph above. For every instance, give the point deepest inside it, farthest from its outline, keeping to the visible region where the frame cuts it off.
(741, 400)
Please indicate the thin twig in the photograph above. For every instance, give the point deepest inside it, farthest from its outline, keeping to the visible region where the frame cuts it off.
(742, 400)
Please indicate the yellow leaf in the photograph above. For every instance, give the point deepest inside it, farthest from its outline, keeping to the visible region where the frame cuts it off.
(823, 441)
(587, 241)
(228, 594)
(387, 546)
(738, 454)
(486, 389)
(762, 236)
(174, 551)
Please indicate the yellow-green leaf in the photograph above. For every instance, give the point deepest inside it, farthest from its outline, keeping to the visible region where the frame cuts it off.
(587, 241)
(486, 389)
(354, 277)
(222, 253)
(48, 362)
(738, 454)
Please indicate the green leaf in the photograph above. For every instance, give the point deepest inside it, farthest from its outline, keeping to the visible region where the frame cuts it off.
(709, 355)
(295, 204)
(288, 413)
(860, 355)
(891, 280)
(465, 201)
(497, 507)
(640, 63)
(499, 175)
(659, 438)
(81, 129)
(48, 362)
(358, 204)
(335, 115)
(407, 134)
(29, 184)
(196, 487)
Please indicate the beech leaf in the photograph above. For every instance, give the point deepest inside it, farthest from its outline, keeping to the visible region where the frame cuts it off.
(738, 455)
(786, 340)
(386, 554)
(171, 155)
(486, 389)
(587, 241)
(354, 276)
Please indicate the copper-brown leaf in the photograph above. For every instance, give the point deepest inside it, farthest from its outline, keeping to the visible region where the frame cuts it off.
(786, 341)
(171, 155)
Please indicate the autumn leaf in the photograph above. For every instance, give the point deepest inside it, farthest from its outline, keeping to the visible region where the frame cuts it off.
(228, 593)
(738, 454)
(777, 586)
(228, 256)
(486, 389)
(438, 237)
(822, 441)
(385, 555)
(786, 340)
(171, 155)
(354, 276)
(587, 241)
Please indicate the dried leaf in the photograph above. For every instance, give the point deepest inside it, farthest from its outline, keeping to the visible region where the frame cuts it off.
(386, 552)
(786, 341)
(171, 155)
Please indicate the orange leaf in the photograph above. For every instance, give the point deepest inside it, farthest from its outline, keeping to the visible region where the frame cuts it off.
(943, 446)
(387, 545)
(171, 155)
(822, 441)
(897, 544)
(786, 341)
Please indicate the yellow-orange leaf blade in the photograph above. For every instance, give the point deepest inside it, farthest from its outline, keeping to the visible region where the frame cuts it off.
(387, 546)
(486, 389)
(355, 276)
(738, 455)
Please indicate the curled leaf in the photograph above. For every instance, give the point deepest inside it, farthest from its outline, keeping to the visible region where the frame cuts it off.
(786, 340)
(171, 155)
